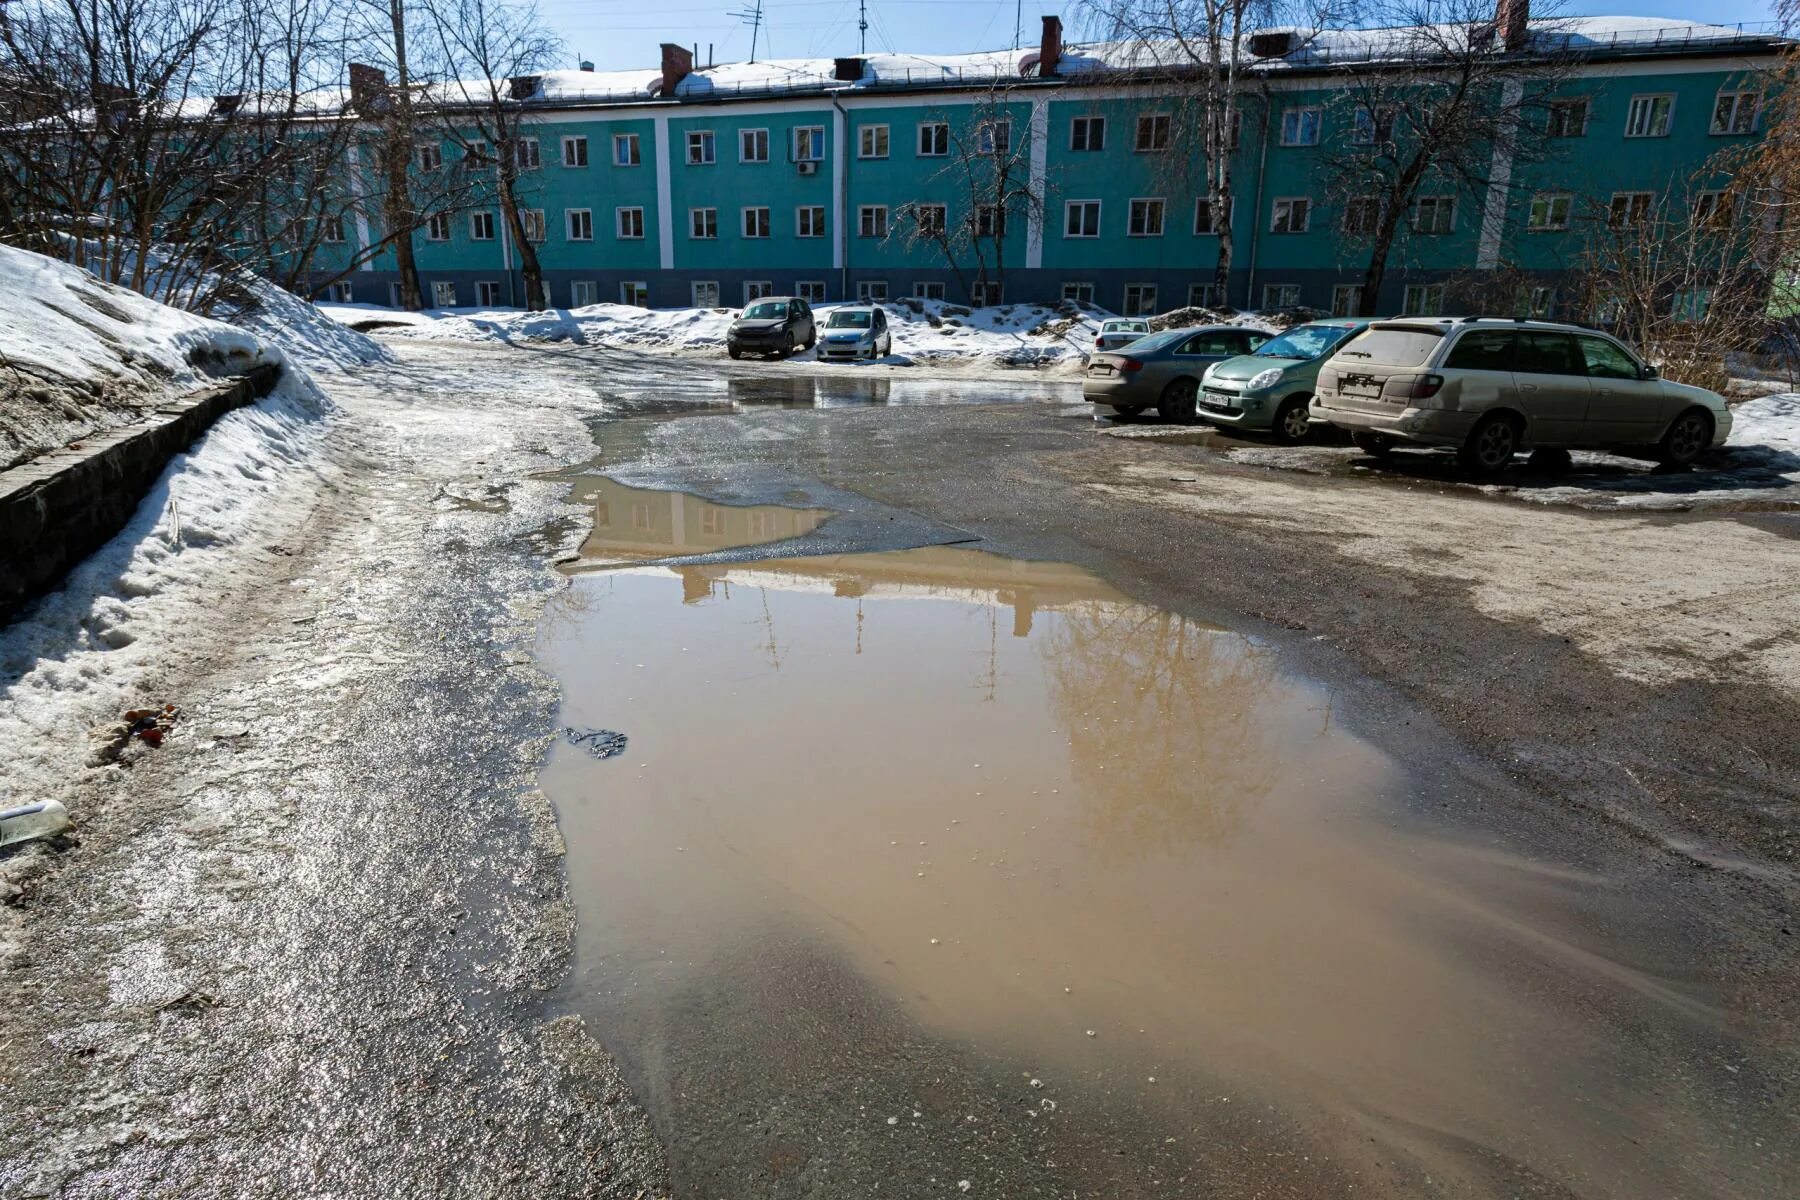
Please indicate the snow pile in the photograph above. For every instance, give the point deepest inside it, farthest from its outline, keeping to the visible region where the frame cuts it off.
(307, 336)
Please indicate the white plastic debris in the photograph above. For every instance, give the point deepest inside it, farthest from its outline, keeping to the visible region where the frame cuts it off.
(1037, 1083)
(29, 822)
(963, 1185)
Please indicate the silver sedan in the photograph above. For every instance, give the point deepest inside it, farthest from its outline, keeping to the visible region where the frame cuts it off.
(1163, 370)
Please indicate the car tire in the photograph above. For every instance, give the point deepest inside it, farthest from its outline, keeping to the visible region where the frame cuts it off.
(1291, 425)
(812, 338)
(1375, 445)
(1490, 445)
(1688, 437)
(792, 348)
(1180, 402)
(734, 352)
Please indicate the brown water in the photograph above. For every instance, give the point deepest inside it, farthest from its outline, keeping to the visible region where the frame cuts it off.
(635, 524)
(1103, 841)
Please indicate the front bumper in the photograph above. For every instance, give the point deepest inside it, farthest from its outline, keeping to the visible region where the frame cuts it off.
(830, 349)
(1225, 404)
(1426, 426)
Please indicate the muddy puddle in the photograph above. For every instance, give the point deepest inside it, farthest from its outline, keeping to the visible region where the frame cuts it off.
(1119, 860)
(636, 524)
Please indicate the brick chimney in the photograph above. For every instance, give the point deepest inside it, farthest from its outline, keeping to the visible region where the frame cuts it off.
(1511, 17)
(1050, 49)
(368, 86)
(524, 87)
(677, 65)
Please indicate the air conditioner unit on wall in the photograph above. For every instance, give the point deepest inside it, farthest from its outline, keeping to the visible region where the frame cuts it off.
(808, 168)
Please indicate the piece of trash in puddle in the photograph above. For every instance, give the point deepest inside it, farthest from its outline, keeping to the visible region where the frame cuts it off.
(28, 822)
(601, 743)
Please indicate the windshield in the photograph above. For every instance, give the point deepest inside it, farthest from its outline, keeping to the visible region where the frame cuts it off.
(1157, 341)
(771, 310)
(850, 320)
(1303, 342)
(1125, 327)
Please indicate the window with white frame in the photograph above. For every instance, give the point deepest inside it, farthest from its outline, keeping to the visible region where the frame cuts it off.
(872, 141)
(626, 151)
(1079, 291)
(1712, 209)
(1373, 125)
(1566, 119)
(872, 220)
(811, 290)
(1362, 215)
(871, 291)
(531, 220)
(1542, 302)
(634, 292)
(994, 138)
(1203, 295)
(1423, 300)
(487, 293)
(481, 226)
(1549, 211)
(1152, 133)
(1735, 111)
(340, 293)
(809, 221)
(1206, 224)
(703, 223)
(1346, 300)
(1291, 214)
(1629, 208)
(631, 223)
(475, 154)
(1648, 116)
(702, 148)
(583, 293)
(437, 227)
(705, 293)
(580, 223)
(574, 150)
(927, 289)
(1300, 126)
(431, 156)
(1145, 218)
(526, 154)
(1087, 133)
(1281, 295)
(756, 222)
(934, 139)
(1081, 219)
(990, 221)
(396, 295)
(984, 293)
(753, 145)
(809, 143)
(331, 230)
(931, 219)
(443, 293)
(1434, 214)
(1140, 300)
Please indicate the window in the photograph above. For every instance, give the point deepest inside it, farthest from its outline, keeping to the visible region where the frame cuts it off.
(526, 155)
(1346, 299)
(756, 222)
(984, 294)
(1712, 209)
(872, 141)
(1281, 295)
(934, 139)
(625, 150)
(395, 295)
(487, 293)
(809, 143)
(753, 145)
(1087, 133)
(1152, 133)
(1372, 125)
(583, 292)
(1423, 300)
(635, 292)
(1292, 214)
(340, 293)
(574, 152)
(1547, 354)
(1203, 295)
(481, 226)
(811, 290)
(1690, 304)
(475, 154)
(331, 230)
(1146, 218)
(1205, 224)
(1078, 293)
(706, 293)
(1549, 212)
(809, 221)
(1648, 116)
(437, 228)
(994, 138)
(1628, 208)
(431, 157)
(1476, 350)
(1434, 214)
(1362, 215)
(871, 220)
(1140, 299)
(990, 221)
(631, 223)
(443, 294)
(1567, 119)
(1543, 301)
(1735, 112)
(871, 291)
(928, 291)
(531, 220)
(580, 222)
(702, 149)
(931, 219)
(1081, 219)
(703, 223)
(1604, 359)
(1300, 126)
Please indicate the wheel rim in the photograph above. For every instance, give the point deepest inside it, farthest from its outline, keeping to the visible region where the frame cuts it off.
(1495, 444)
(1294, 423)
(1687, 438)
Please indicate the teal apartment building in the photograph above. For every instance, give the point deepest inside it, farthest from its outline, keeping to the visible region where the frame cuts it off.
(682, 186)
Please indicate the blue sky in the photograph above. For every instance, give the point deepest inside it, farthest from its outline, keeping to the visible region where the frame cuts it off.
(626, 33)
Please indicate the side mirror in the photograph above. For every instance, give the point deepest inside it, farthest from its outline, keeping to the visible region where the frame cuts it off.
(1649, 372)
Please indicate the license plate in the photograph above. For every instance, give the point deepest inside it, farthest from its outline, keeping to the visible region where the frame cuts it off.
(1100, 369)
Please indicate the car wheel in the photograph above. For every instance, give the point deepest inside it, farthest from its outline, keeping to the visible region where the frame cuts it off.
(1687, 438)
(1180, 402)
(1291, 424)
(793, 346)
(1490, 445)
(1128, 412)
(812, 338)
(734, 352)
(1375, 445)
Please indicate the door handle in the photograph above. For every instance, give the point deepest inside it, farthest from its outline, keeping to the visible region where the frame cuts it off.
(1528, 387)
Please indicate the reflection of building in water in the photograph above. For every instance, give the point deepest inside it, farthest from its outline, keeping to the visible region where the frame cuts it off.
(639, 523)
(800, 391)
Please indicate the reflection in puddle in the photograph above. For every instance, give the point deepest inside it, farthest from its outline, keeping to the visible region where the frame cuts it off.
(1029, 808)
(634, 524)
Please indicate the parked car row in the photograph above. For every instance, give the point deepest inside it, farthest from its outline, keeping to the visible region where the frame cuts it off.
(1486, 387)
(783, 325)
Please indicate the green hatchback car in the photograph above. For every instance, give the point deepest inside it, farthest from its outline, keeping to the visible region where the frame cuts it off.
(1269, 388)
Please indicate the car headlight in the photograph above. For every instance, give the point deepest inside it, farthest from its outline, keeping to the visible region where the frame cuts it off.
(1264, 379)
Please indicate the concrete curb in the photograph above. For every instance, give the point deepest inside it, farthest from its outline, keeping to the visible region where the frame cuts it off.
(62, 506)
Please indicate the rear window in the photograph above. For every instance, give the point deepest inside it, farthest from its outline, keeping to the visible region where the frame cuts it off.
(1482, 350)
(1394, 347)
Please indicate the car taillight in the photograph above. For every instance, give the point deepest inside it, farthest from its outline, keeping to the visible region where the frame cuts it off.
(1413, 387)
(1131, 364)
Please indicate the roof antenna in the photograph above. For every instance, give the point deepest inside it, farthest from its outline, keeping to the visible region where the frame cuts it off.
(862, 26)
(753, 16)
(1018, 18)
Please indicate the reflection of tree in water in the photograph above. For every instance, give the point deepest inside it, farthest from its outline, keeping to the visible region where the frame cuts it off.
(1191, 713)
